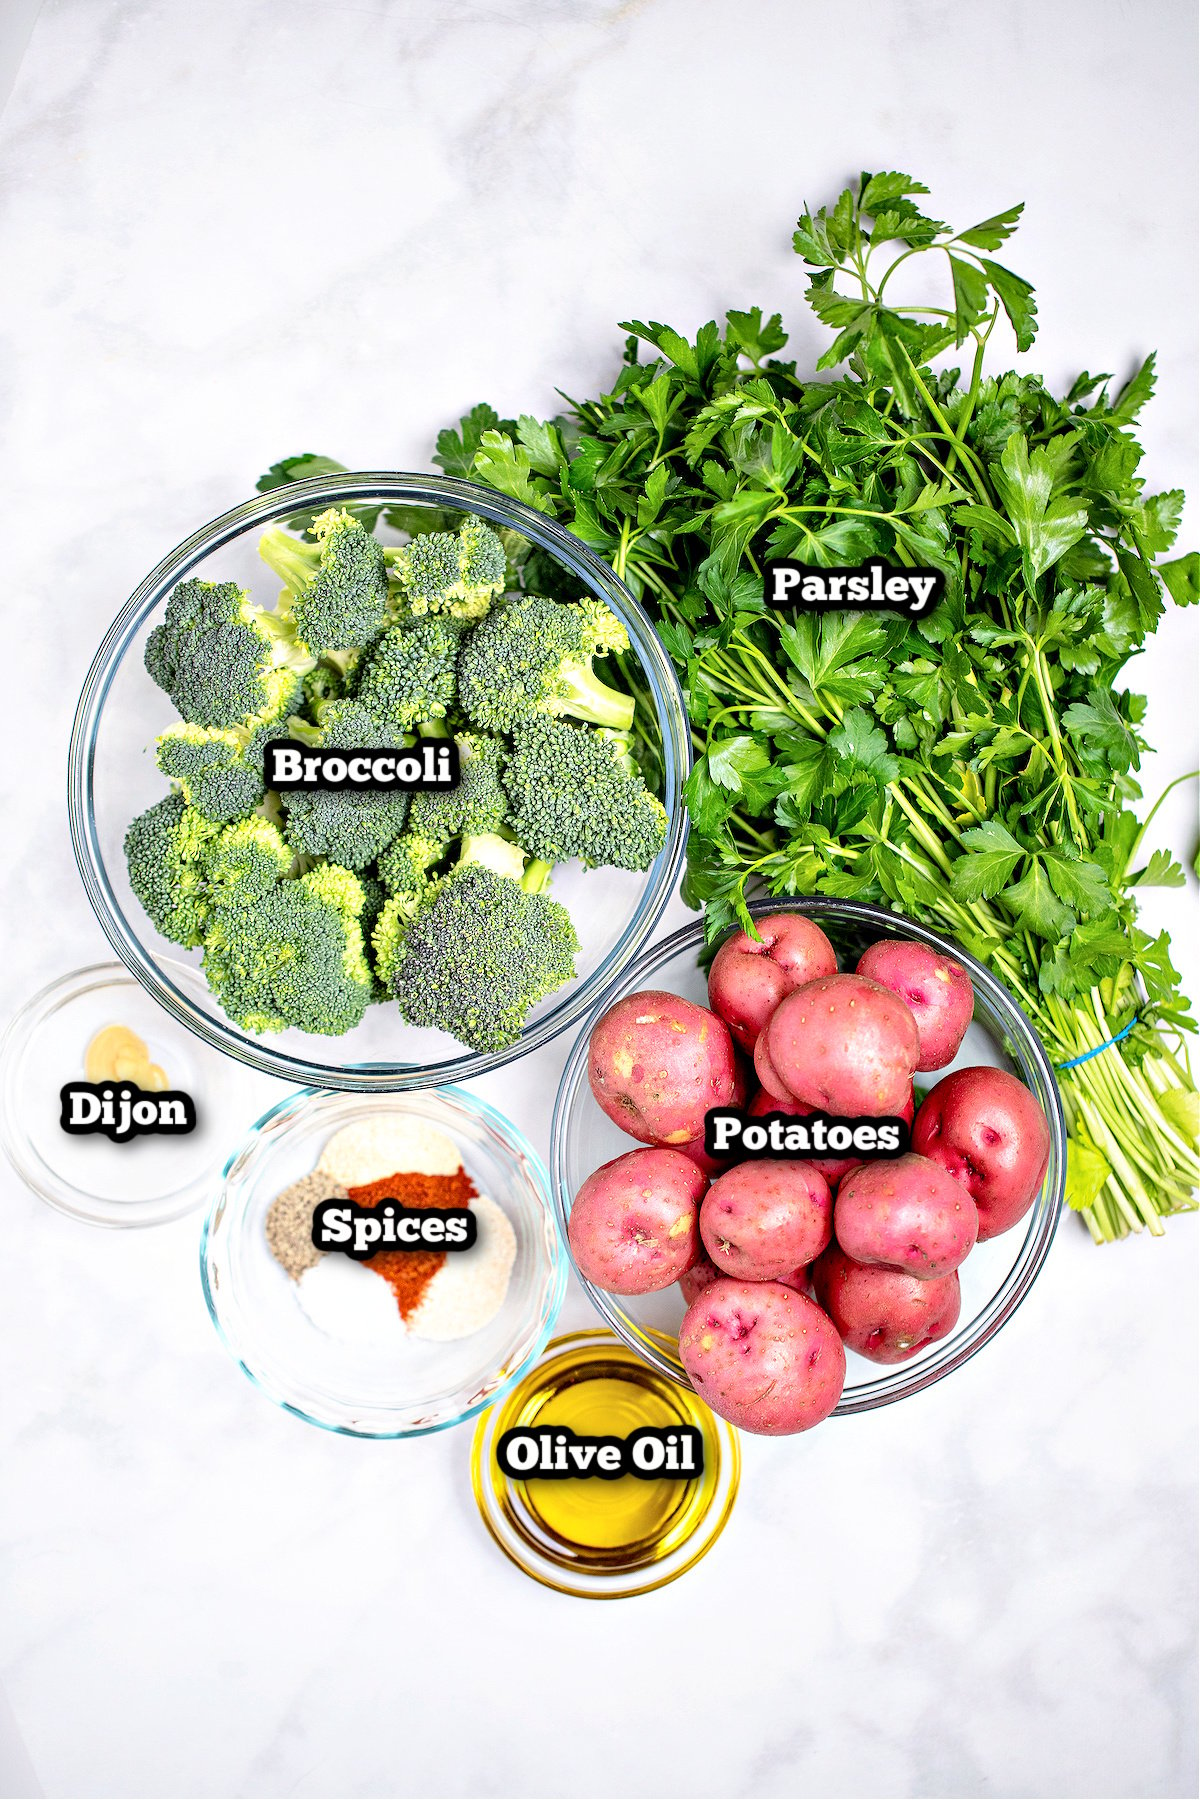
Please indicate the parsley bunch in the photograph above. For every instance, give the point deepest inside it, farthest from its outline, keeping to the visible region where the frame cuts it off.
(976, 768)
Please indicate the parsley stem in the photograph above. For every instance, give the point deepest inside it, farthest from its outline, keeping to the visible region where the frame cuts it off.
(921, 831)
(970, 463)
(981, 343)
(1131, 1188)
(1041, 682)
(1192, 775)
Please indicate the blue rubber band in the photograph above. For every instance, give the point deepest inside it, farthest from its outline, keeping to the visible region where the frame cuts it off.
(1088, 1054)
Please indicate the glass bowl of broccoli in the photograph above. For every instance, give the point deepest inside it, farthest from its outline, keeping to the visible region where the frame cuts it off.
(378, 939)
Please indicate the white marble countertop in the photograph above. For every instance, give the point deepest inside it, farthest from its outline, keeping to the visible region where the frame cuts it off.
(231, 232)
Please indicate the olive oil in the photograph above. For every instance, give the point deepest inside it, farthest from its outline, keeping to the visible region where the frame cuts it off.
(606, 1515)
(603, 1531)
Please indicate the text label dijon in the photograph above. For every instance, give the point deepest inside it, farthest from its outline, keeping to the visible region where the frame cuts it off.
(122, 1111)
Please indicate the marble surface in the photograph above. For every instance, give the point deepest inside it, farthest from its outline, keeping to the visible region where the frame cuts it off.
(230, 232)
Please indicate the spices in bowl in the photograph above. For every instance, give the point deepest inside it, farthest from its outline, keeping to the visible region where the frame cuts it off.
(289, 1222)
(425, 1293)
(406, 1385)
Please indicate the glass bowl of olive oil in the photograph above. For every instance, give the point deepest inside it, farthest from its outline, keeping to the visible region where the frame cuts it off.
(593, 1538)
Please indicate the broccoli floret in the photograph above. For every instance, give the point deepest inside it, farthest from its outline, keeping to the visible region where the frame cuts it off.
(219, 772)
(483, 948)
(245, 861)
(335, 588)
(223, 660)
(325, 682)
(475, 806)
(577, 792)
(404, 872)
(294, 958)
(404, 866)
(408, 675)
(166, 853)
(348, 826)
(446, 572)
(535, 656)
(390, 932)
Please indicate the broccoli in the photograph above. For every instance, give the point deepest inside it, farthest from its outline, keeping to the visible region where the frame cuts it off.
(408, 675)
(219, 772)
(294, 958)
(480, 950)
(245, 861)
(390, 931)
(475, 806)
(535, 656)
(577, 792)
(348, 826)
(374, 900)
(165, 851)
(335, 589)
(326, 682)
(440, 572)
(309, 905)
(223, 660)
(404, 866)
(404, 872)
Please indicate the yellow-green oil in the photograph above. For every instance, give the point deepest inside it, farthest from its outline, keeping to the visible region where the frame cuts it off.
(603, 1389)
(605, 1515)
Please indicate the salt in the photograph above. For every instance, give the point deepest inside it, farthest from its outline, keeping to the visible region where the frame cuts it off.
(345, 1300)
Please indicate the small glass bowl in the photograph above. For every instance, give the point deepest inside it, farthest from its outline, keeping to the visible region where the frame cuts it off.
(112, 776)
(359, 1391)
(692, 1520)
(145, 1180)
(997, 1275)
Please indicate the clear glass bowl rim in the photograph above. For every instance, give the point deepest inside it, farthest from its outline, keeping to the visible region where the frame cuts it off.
(1043, 1219)
(39, 1176)
(507, 1130)
(435, 490)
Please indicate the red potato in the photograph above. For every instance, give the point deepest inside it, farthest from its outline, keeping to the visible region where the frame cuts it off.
(844, 1044)
(769, 1076)
(701, 1275)
(936, 990)
(880, 1313)
(833, 1168)
(657, 1063)
(748, 980)
(762, 1356)
(715, 1165)
(634, 1225)
(707, 1165)
(906, 1214)
(985, 1128)
(765, 1219)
